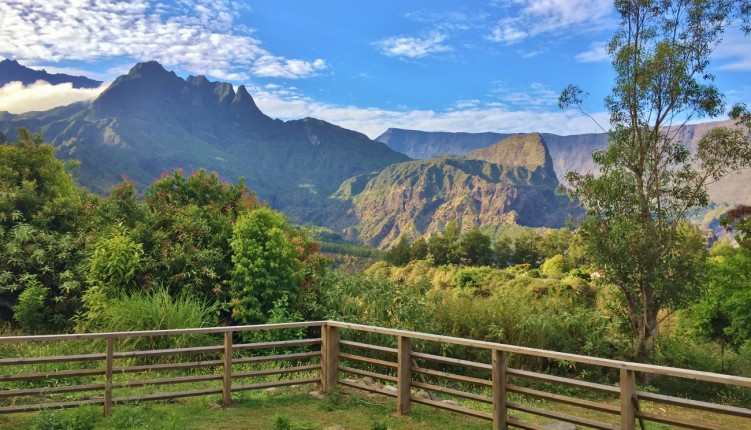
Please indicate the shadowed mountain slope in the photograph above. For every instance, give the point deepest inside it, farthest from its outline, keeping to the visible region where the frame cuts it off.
(151, 121)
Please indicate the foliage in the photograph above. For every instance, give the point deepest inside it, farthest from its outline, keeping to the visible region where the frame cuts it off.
(375, 300)
(399, 255)
(739, 219)
(35, 187)
(527, 249)
(724, 313)
(116, 262)
(30, 312)
(418, 250)
(41, 210)
(266, 265)
(647, 179)
(554, 267)
(443, 248)
(187, 230)
(474, 248)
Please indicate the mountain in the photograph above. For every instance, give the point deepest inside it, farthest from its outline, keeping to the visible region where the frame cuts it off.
(568, 153)
(511, 181)
(151, 121)
(12, 71)
(426, 144)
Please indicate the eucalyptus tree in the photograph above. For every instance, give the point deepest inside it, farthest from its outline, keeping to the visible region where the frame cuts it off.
(648, 180)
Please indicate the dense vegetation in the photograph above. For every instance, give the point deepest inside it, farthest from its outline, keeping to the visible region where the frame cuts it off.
(193, 251)
(70, 259)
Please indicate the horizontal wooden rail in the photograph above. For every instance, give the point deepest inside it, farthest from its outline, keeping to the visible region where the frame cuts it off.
(367, 346)
(152, 333)
(582, 359)
(366, 373)
(368, 360)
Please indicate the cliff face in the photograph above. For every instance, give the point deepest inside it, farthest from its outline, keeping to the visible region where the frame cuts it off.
(512, 181)
(568, 153)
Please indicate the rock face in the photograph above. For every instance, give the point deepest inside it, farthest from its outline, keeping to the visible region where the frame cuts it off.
(150, 121)
(568, 153)
(512, 181)
(11, 71)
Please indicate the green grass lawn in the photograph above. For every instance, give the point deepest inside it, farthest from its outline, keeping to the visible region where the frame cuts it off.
(296, 409)
(283, 409)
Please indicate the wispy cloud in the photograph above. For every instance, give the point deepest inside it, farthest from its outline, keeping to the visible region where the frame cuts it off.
(536, 96)
(463, 116)
(414, 47)
(734, 53)
(199, 36)
(277, 67)
(17, 98)
(529, 18)
(597, 52)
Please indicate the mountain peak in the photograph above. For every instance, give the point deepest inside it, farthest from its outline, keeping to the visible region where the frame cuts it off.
(519, 150)
(149, 70)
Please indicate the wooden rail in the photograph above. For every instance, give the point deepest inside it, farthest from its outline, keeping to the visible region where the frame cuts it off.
(495, 391)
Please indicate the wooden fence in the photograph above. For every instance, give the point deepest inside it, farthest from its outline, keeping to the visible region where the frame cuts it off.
(492, 389)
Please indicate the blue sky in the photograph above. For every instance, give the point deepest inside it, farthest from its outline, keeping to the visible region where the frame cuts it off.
(366, 65)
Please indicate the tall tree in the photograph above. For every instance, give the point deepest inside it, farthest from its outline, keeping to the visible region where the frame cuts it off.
(648, 179)
(266, 265)
(41, 211)
(443, 248)
(475, 249)
(399, 255)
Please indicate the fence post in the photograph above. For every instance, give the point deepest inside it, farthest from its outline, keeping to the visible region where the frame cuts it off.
(329, 358)
(627, 388)
(227, 369)
(404, 375)
(108, 368)
(500, 414)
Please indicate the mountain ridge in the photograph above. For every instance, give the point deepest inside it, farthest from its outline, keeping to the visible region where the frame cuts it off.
(568, 153)
(491, 186)
(13, 71)
(150, 121)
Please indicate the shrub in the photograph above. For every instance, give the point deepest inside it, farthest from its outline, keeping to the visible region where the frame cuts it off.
(30, 312)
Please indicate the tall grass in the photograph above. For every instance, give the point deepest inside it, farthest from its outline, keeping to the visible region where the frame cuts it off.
(158, 310)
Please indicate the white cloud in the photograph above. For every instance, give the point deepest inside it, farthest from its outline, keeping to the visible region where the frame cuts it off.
(473, 117)
(414, 47)
(536, 96)
(734, 53)
(17, 98)
(508, 31)
(200, 36)
(278, 67)
(598, 51)
(535, 17)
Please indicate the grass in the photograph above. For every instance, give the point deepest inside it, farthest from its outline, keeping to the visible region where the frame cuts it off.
(295, 409)
(292, 409)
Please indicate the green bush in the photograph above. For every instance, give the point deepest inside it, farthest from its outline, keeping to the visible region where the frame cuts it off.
(30, 312)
